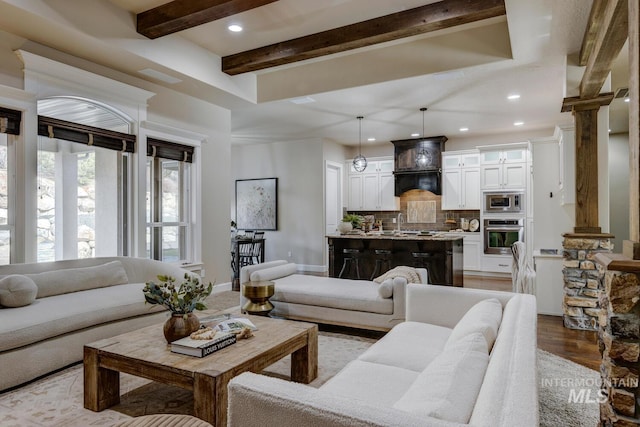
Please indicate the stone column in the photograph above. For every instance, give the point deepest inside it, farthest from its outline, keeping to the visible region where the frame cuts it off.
(582, 280)
(619, 335)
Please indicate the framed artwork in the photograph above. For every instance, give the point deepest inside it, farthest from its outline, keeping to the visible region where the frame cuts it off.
(257, 204)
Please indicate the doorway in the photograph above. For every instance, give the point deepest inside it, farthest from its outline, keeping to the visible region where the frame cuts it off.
(332, 199)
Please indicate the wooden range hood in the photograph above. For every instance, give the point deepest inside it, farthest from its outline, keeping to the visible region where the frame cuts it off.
(408, 175)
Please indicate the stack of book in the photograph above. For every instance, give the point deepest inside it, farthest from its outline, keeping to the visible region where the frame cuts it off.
(201, 348)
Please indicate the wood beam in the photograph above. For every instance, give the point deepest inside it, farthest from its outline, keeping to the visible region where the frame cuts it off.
(609, 39)
(634, 121)
(593, 26)
(180, 15)
(586, 170)
(577, 102)
(431, 17)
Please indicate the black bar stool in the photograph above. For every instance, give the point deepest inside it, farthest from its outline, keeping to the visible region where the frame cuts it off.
(383, 262)
(351, 259)
(425, 260)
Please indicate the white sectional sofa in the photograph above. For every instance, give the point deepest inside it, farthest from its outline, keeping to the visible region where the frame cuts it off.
(354, 303)
(463, 357)
(74, 302)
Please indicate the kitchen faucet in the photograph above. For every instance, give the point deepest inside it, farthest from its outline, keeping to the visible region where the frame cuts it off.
(399, 220)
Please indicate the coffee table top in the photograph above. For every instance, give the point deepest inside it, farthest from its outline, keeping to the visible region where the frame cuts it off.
(148, 346)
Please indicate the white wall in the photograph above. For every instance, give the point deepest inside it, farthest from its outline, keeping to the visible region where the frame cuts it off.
(299, 168)
(619, 188)
(551, 219)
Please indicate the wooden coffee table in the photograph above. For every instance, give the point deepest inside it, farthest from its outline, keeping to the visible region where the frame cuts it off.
(145, 353)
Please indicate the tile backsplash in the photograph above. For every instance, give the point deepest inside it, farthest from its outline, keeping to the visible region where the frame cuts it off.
(441, 216)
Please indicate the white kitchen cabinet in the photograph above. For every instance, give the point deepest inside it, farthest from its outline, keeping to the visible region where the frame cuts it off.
(461, 180)
(549, 283)
(497, 263)
(372, 189)
(503, 169)
(471, 251)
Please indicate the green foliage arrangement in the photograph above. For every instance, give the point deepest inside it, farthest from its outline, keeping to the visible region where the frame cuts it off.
(355, 220)
(182, 299)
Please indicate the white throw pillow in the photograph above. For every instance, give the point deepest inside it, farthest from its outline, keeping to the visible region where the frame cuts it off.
(58, 282)
(17, 291)
(448, 387)
(272, 273)
(385, 290)
(484, 317)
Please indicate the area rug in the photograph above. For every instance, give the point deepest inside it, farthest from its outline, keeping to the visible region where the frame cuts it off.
(567, 392)
(56, 400)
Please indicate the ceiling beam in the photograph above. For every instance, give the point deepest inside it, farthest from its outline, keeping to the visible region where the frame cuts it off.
(611, 35)
(431, 17)
(181, 15)
(594, 24)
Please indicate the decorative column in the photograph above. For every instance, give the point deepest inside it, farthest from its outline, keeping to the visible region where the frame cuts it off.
(582, 280)
(619, 335)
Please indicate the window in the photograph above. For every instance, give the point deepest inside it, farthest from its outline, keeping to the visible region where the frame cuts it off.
(82, 181)
(6, 184)
(10, 123)
(168, 209)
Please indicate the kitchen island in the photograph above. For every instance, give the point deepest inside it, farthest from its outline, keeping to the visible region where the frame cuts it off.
(445, 266)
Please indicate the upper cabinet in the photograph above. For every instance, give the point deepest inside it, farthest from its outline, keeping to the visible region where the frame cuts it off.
(373, 188)
(503, 169)
(461, 180)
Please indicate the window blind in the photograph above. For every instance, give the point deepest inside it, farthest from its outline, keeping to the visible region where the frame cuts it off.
(169, 150)
(83, 134)
(10, 121)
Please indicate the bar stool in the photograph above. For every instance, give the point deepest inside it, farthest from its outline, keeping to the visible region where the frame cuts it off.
(425, 260)
(351, 259)
(383, 262)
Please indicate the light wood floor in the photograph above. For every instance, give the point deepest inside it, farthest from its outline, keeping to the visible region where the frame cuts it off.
(578, 346)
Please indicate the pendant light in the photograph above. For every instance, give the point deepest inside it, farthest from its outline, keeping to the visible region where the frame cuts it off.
(423, 158)
(359, 161)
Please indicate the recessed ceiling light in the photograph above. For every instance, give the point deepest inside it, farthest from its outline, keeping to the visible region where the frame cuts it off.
(302, 100)
(513, 96)
(371, 139)
(518, 123)
(627, 99)
(609, 130)
(234, 28)
(415, 135)
(464, 129)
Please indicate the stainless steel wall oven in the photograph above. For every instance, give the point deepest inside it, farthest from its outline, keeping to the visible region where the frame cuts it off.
(500, 234)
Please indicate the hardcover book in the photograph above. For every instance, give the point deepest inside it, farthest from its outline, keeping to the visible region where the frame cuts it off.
(201, 348)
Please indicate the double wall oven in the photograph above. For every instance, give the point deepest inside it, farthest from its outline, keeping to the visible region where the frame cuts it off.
(503, 225)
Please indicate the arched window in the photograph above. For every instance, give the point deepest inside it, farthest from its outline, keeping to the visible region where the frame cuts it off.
(84, 150)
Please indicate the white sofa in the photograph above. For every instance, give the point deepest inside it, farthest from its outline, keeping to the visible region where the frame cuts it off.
(76, 302)
(439, 368)
(355, 303)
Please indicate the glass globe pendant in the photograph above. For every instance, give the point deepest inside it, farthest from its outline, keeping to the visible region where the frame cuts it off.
(360, 161)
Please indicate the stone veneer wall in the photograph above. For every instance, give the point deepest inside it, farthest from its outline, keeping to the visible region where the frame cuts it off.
(619, 340)
(582, 280)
